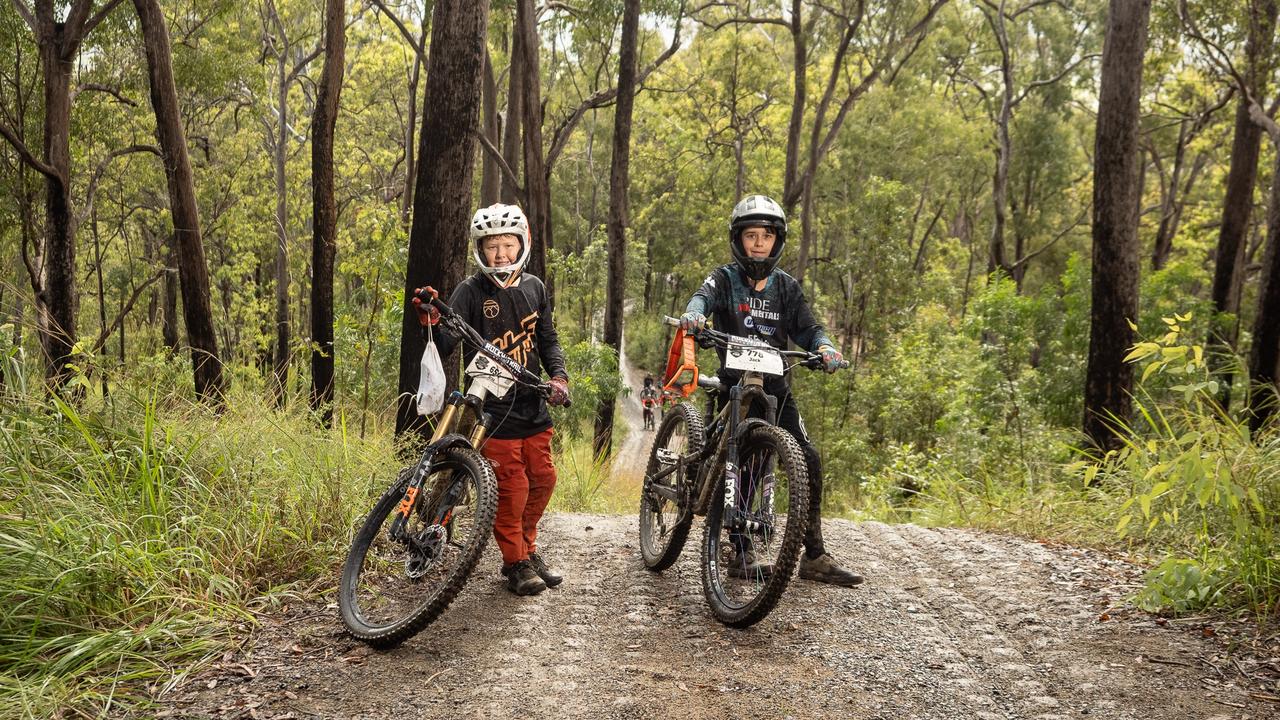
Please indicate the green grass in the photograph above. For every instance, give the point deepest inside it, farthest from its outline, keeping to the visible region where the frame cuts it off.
(135, 532)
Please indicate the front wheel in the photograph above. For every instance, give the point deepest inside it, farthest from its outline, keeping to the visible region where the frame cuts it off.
(748, 559)
(392, 587)
(666, 510)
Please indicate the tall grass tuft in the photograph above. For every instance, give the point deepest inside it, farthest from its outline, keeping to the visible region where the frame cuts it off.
(585, 483)
(137, 529)
(1198, 485)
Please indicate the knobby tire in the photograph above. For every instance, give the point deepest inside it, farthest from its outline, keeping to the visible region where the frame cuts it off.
(436, 595)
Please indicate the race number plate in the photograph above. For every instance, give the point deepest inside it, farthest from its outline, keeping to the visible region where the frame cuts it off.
(495, 378)
(752, 356)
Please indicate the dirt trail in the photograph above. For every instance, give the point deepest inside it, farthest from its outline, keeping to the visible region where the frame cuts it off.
(951, 624)
(629, 460)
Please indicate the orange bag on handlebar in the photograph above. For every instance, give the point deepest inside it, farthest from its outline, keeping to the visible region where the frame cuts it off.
(682, 365)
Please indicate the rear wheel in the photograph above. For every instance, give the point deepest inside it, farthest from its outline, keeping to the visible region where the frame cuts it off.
(748, 560)
(393, 587)
(665, 503)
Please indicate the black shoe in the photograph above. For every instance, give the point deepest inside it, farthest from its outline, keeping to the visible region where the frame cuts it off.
(540, 566)
(745, 566)
(522, 580)
(824, 569)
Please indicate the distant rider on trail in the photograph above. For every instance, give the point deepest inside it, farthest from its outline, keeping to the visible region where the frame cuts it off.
(648, 400)
(510, 309)
(751, 298)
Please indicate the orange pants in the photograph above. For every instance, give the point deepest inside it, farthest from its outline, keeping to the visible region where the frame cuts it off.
(526, 478)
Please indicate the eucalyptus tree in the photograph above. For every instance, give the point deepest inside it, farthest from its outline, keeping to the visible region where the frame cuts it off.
(1108, 378)
(540, 142)
(1237, 204)
(290, 49)
(1182, 128)
(442, 196)
(1038, 45)
(619, 179)
(402, 17)
(1264, 353)
(194, 274)
(52, 271)
(877, 41)
(324, 212)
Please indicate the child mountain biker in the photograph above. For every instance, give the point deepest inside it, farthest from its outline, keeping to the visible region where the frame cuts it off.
(750, 297)
(510, 309)
(648, 400)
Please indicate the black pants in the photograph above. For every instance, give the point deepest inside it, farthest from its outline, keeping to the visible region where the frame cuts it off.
(789, 419)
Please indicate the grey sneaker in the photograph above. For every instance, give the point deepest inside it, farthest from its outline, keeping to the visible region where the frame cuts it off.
(540, 566)
(824, 569)
(522, 579)
(744, 566)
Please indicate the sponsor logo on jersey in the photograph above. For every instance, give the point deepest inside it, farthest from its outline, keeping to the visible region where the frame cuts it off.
(519, 344)
(491, 308)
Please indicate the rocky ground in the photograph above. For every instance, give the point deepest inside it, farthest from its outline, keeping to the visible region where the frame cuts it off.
(950, 624)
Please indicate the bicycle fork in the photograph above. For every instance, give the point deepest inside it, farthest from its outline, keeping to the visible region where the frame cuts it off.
(734, 496)
(448, 422)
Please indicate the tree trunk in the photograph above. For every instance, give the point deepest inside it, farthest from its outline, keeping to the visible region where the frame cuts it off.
(169, 330)
(57, 304)
(1228, 276)
(800, 87)
(511, 136)
(442, 197)
(537, 186)
(491, 177)
(618, 180)
(1168, 222)
(1108, 378)
(284, 336)
(324, 213)
(207, 368)
(1264, 355)
(410, 168)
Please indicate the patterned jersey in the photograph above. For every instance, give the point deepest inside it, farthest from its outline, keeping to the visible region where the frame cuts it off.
(776, 314)
(518, 321)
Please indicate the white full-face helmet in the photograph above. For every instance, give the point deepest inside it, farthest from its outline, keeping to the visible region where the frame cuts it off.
(499, 219)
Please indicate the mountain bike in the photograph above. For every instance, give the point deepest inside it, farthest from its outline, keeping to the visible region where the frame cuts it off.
(648, 404)
(745, 474)
(426, 533)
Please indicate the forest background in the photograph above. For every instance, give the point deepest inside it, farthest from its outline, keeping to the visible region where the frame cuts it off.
(210, 212)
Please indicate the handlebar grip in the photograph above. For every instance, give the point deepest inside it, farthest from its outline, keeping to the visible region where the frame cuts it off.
(668, 320)
(435, 301)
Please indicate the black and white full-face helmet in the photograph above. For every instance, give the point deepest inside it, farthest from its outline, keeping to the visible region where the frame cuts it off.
(499, 219)
(757, 211)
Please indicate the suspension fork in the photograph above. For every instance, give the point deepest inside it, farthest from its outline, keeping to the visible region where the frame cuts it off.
(422, 470)
(751, 387)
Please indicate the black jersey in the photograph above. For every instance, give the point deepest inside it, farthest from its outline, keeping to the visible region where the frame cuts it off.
(518, 321)
(777, 314)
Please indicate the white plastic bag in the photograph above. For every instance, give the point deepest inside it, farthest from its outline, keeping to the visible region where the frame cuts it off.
(430, 394)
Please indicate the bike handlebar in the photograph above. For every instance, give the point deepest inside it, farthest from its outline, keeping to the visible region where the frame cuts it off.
(811, 360)
(506, 361)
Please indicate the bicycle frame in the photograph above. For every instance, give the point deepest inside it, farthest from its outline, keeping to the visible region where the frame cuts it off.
(492, 373)
(722, 434)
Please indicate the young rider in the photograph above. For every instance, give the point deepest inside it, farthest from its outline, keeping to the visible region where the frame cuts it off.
(750, 297)
(510, 309)
(648, 400)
